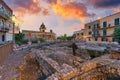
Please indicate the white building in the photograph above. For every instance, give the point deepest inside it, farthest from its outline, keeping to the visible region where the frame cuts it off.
(6, 23)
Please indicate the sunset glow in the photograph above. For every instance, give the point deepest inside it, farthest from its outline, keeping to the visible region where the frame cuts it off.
(32, 13)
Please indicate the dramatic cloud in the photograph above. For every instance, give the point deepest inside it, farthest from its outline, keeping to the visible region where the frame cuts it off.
(22, 7)
(70, 10)
(116, 9)
(104, 3)
(26, 7)
(45, 12)
(51, 1)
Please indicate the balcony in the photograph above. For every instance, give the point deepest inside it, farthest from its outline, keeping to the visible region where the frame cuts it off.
(4, 29)
(5, 16)
(107, 35)
(96, 35)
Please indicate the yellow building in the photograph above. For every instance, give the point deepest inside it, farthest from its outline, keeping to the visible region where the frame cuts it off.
(79, 35)
(107, 27)
(92, 31)
(102, 29)
(35, 35)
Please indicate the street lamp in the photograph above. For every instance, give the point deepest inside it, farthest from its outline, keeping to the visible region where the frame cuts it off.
(13, 37)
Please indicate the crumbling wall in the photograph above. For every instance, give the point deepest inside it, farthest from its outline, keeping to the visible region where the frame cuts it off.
(29, 70)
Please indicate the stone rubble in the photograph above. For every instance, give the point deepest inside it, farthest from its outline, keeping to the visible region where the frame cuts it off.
(7, 67)
(99, 46)
(57, 63)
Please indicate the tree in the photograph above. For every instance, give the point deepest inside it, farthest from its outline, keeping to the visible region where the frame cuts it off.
(74, 47)
(69, 37)
(19, 38)
(41, 39)
(116, 34)
(64, 37)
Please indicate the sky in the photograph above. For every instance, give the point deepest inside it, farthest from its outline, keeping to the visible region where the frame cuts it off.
(62, 16)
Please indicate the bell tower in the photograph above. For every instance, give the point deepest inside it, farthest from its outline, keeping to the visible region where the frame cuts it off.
(42, 28)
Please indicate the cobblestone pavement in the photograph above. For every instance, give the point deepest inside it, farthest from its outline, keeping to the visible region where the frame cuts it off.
(7, 66)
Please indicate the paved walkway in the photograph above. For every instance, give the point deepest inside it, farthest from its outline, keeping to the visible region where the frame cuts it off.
(7, 67)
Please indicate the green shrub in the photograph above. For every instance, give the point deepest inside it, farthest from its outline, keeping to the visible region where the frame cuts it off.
(94, 53)
(19, 42)
(41, 39)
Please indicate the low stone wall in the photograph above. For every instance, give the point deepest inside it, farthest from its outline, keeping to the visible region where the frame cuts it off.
(5, 50)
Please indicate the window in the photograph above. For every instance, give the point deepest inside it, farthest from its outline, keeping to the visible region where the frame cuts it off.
(89, 27)
(1, 9)
(104, 24)
(96, 39)
(82, 33)
(114, 40)
(96, 26)
(104, 39)
(96, 32)
(115, 29)
(109, 25)
(104, 32)
(89, 39)
(1, 22)
(90, 33)
(43, 30)
(9, 25)
(116, 22)
(3, 37)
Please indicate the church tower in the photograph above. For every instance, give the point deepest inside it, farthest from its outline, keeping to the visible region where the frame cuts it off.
(42, 28)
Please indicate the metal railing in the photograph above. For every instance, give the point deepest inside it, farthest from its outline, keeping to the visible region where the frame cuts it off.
(4, 28)
(4, 15)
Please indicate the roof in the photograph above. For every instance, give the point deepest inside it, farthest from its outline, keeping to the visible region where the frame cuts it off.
(80, 31)
(35, 31)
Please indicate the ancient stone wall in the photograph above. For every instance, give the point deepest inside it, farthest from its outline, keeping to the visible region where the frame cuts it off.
(5, 50)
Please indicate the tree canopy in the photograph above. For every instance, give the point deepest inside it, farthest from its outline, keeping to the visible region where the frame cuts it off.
(19, 38)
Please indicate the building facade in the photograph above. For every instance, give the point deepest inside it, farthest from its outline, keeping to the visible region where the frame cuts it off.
(92, 31)
(36, 35)
(101, 30)
(6, 23)
(79, 35)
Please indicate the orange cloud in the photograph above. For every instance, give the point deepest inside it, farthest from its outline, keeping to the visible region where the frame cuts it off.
(116, 9)
(27, 7)
(71, 10)
(72, 28)
(24, 8)
(21, 7)
(45, 12)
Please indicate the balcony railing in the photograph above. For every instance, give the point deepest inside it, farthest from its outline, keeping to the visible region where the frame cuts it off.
(2, 28)
(4, 15)
(96, 35)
